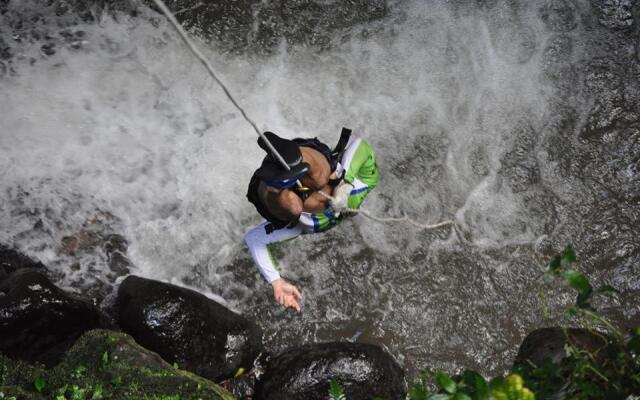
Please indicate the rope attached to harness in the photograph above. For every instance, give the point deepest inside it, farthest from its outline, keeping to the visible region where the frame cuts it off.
(205, 62)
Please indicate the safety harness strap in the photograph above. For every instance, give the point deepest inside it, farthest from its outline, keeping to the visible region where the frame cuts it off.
(338, 151)
(333, 157)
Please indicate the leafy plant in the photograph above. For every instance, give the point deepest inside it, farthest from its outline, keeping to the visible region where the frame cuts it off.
(117, 381)
(77, 393)
(560, 267)
(335, 391)
(510, 388)
(97, 392)
(104, 360)
(468, 386)
(79, 372)
(610, 371)
(39, 384)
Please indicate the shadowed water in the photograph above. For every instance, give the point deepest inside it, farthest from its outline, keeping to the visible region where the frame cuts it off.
(517, 119)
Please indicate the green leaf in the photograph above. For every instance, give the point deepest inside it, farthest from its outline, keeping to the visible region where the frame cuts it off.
(496, 382)
(79, 372)
(418, 390)
(61, 391)
(570, 312)
(97, 392)
(634, 344)
(583, 297)
(105, 360)
(417, 393)
(117, 381)
(461, 396)
(568, 255)
(439, 396)
(445, 382)
(576, 280)
(511, 388)
(77, 393)
(39, 384)
(476, 385)
(335, 391)
(554, 264)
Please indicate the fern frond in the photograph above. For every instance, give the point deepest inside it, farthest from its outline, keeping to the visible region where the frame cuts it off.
(335, 391)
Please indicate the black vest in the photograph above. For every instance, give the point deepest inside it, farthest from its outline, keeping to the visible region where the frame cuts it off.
(333, 157)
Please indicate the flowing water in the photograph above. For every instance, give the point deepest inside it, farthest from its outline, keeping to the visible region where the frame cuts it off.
(517, 119)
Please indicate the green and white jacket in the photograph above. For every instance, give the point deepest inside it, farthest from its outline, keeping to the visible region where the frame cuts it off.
(360, 169)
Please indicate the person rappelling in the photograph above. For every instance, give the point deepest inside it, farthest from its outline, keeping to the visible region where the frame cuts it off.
(312, 195)
(301, 187)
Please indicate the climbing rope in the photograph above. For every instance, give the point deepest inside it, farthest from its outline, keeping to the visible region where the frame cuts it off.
(404, 218)
(212, 72)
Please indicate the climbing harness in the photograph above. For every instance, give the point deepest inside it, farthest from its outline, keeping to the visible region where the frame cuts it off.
(160, 4)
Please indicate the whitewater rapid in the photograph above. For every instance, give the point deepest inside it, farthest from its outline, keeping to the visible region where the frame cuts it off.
(121, 120)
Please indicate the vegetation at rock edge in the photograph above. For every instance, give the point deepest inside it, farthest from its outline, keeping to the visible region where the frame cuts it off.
(611, 371)
(107, 365)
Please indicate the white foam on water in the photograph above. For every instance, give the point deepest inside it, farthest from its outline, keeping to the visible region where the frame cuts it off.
(133, 125)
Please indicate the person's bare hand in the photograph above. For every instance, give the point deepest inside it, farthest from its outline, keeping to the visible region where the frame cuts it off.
(286, 294)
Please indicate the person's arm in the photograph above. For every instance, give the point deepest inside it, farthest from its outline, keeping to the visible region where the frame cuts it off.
(360, 170)
(259, 242)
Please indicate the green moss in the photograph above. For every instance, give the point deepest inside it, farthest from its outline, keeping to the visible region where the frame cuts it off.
(106, 365)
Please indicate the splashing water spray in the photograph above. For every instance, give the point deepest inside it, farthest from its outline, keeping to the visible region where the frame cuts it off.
(160, 4)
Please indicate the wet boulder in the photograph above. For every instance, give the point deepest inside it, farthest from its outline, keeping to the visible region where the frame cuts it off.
(548, 343)
(365, 371)
(558, 15)
(615, 14)
(519, 166)
(40, 321)
(187, 328)
(12, 260)
(258, 26)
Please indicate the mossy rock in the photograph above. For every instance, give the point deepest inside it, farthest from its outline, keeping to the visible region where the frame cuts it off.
(104, 364)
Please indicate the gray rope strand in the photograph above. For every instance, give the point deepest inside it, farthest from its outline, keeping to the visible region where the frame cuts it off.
(205, 62)
(404, 218)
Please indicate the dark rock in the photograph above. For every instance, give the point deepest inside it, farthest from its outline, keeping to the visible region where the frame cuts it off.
(548, 343)
(558, 139)
(558, 15)
(604, 82)
(39, 321)
(48, 49)
(558, 49)
(519, 166)
(115, 247)
(365, 371)
(261, 26)
(557, 66)
(187, 328)
(615, 14)
(12, 260)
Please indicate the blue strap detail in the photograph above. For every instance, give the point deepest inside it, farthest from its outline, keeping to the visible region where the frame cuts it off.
(329, 214)
(360, 190)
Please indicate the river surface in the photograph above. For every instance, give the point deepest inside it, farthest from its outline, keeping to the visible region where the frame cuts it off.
(519, 120)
